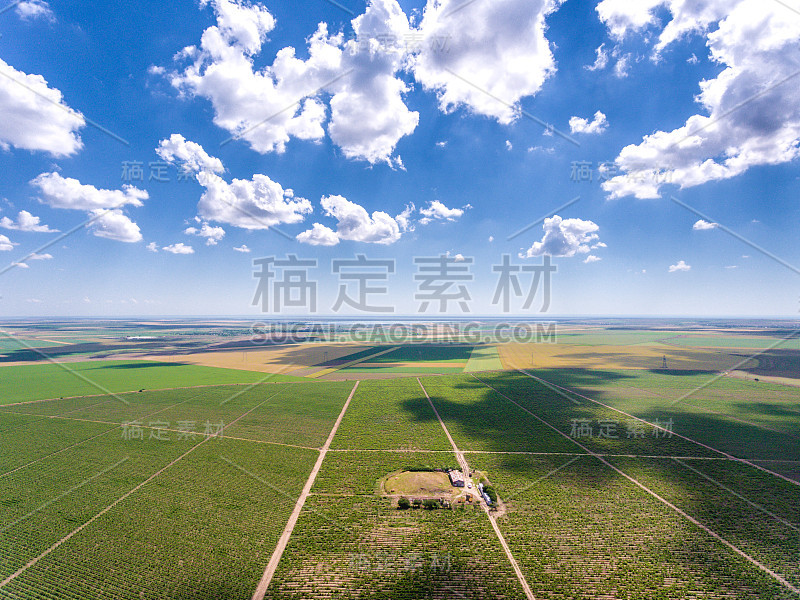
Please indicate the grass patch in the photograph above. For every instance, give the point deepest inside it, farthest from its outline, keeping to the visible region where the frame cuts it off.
(39, 382)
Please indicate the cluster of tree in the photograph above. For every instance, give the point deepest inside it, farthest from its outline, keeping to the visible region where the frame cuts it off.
(428, 469)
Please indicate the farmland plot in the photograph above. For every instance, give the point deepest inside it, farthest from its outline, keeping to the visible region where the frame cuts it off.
(350, 542)
(579, 530)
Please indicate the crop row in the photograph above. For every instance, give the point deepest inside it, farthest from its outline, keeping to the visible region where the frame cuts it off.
(360, 547)
(580, 530)
(390, 415)
(206, 528)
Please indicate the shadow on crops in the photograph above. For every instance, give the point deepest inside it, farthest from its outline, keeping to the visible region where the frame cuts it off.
(481, 419)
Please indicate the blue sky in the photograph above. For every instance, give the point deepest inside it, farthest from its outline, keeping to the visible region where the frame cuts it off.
(439, 106)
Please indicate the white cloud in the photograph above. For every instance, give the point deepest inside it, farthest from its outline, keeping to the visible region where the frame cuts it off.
(442, 144)
(212, 234)
(491, 238)
(499, 46)
(179, 248)
(189, 155)
(26, 222)
(546, 150)
(35, 116)
(600, 61)
(459, 257)
(21, 265)
(680, 266)
(509, 146)
(34, 300)
(591, 259)
(750, 111)
(732, 267)
(36, 256)
(368, 115)
(319, 235)
(580, 125)
(257, 203)
(350, 88)
(60, 192)
(622, 66)
(243, 248)
(152, 247)
(565, 237)
(34, 9)
(355, 224)
(702, 225)
(114, 225)
(404, 218)
(436, 211)
(6, 244)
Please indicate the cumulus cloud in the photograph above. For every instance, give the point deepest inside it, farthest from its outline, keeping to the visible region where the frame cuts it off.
(565, 237)
(354, 223)
(591, 259)
(680, 266)
(500, 47)
(437, 211)
(179, 248)
(702, 225)
(350, 88)
(61, 192)
(189, 155)
(6, 244)
(257, 203)
(367, 113)
(35, 116)
(114, 225)
(34, 9)
(595, 126)
(36, 256)
(104, 206)
(26, 222)
(243, 248)
(212, 234)
(152, 247)
(750, 110)
(319, 235)
(21, 265)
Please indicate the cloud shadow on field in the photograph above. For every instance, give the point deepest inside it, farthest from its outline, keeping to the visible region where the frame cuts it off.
(480, 419)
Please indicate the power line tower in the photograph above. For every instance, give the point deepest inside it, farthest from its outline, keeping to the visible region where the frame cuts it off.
(664, 362)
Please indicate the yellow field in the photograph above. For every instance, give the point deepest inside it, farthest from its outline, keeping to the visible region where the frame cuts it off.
(273, 359)
(640, 356)
(419, 484)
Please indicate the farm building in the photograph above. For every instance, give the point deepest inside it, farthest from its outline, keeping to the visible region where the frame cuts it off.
(456, 478)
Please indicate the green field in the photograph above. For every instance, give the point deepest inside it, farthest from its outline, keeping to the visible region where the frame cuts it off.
(484, 358)
(39, 382)
(105, 498)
